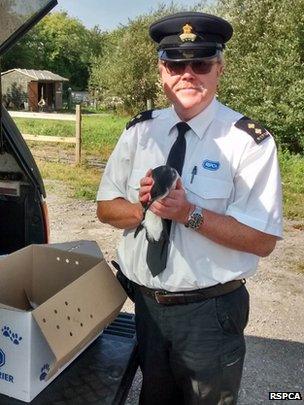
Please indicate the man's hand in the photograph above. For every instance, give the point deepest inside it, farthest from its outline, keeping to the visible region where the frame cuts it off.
(175, 206)
(146, 184)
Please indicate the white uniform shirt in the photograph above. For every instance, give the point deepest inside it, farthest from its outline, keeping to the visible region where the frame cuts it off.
(235, 176)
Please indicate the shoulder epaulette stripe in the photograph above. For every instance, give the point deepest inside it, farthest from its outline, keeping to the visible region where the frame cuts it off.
(143, 116)
(253, 128)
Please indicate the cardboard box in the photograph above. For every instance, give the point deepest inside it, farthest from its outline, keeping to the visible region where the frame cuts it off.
(54, 301)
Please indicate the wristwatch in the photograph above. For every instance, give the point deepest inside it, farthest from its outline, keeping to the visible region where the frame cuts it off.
(195, 219)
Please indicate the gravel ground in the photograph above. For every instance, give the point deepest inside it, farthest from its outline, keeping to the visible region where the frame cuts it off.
(275, 333)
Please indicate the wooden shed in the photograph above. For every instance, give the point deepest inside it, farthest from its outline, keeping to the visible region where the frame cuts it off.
(32, 89)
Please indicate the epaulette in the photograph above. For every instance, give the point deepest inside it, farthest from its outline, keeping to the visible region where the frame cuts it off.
(253, 128)
(143, 116)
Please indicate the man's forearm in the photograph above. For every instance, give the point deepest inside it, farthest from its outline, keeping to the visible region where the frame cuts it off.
(227, 231)
(120, 213)
(222, 229)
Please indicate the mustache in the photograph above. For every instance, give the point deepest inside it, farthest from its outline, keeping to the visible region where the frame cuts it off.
(200, 87)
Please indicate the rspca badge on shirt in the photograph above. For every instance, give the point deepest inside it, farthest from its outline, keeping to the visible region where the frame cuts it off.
(211, 165)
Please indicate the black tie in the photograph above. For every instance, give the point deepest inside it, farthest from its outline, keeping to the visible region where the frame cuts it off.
(158, 251)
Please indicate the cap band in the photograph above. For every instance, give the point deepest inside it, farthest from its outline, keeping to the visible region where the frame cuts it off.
(179, 55)
(193, 46)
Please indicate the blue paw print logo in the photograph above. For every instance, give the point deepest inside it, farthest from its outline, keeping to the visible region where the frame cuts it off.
(44, 372)
(14, 337)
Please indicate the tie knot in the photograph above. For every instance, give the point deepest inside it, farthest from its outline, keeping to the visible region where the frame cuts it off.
(182, 128)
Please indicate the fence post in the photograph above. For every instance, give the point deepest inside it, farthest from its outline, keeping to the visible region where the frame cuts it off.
(78, 135)
(149, 104)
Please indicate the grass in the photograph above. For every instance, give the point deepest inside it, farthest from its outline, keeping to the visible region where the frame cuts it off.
(82, 181)
(292, 170)
(100, 134)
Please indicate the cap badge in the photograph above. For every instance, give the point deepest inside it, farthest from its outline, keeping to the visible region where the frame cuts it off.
(187, 34)
(188, 55)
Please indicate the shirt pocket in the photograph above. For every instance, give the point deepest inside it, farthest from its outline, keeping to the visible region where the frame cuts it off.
(133, 185)
(209, 193)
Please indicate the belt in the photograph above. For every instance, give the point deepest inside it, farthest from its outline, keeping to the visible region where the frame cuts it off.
(185, 297)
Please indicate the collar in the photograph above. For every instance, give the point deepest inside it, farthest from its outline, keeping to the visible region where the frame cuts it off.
(201, 121)
(198, 124)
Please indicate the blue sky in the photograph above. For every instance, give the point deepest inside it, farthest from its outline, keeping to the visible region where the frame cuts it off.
(108, 14)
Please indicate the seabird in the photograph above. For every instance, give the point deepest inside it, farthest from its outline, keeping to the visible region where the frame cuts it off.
(165, 178)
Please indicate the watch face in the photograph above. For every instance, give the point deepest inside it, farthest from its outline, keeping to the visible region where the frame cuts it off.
(195, 219)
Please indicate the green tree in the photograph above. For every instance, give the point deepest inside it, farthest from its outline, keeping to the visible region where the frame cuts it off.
(60, 44)
(66, 47)
(264, 74)
(127, 68)
(26, 53)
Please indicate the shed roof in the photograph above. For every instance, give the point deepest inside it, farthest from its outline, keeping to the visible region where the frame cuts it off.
(38, 75)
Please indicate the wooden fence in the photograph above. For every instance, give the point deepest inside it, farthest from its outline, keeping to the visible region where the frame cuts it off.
(47, 138)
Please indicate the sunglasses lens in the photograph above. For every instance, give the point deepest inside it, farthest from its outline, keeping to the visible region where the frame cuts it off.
(175, 68)
(201, 67)
(178, 68)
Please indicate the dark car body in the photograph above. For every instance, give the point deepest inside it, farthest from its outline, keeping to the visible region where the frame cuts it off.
(23, 212)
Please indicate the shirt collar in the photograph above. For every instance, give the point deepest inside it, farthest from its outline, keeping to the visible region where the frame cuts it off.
(199, 123)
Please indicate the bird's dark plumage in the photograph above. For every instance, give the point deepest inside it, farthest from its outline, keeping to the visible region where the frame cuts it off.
(164, 178)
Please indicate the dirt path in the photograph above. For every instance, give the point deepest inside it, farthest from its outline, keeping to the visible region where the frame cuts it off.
(275, 333)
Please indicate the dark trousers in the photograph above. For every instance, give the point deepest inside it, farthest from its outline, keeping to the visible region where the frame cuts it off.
(192, 353)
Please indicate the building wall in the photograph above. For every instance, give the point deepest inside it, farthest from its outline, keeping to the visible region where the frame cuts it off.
(16, 90)
(14, 78)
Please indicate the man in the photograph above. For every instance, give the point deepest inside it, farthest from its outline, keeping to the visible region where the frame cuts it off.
(191, 303)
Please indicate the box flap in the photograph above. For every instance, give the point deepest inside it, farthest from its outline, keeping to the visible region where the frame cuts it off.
(88, 247)
(80, 311)
(54, 269)
(16, 277)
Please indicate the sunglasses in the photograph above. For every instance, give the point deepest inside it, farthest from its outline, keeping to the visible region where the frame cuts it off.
(200, 67)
